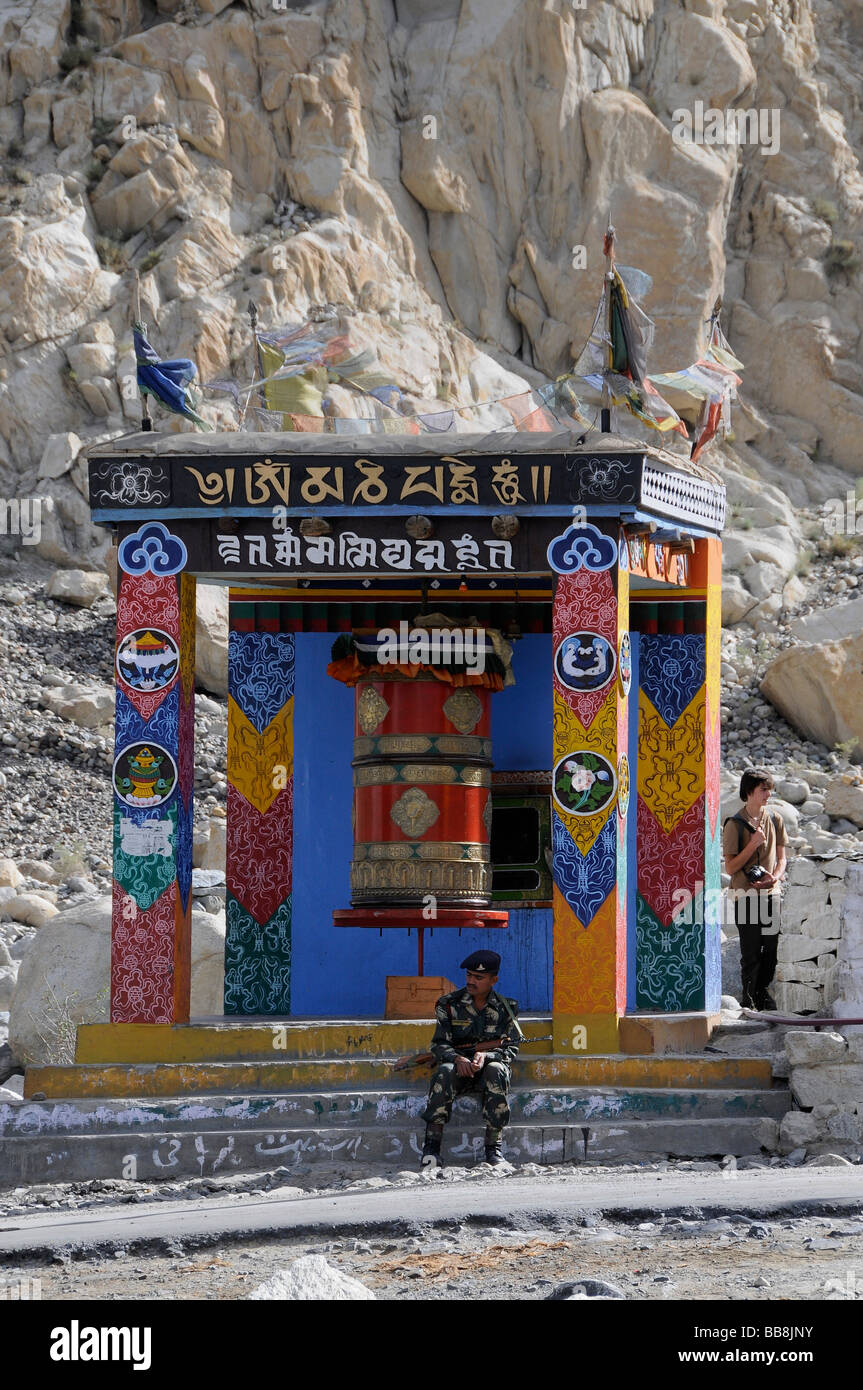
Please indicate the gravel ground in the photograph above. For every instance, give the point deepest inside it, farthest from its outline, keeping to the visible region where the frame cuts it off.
(731, 1257)
(55, 778)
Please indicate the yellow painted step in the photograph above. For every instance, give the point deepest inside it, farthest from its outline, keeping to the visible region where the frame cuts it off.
(237, 1077)
(276, 1040)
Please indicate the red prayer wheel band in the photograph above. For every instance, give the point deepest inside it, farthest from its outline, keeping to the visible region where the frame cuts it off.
(421, 706)
(397, 813)
(422, 793)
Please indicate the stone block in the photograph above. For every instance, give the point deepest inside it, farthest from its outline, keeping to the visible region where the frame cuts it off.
(827, 924)
(801, 903)
(801, 972)
(845, 1125)
(842, 1084)
(835, 868)
(798, 1129)
(802, 947)
(804, 872)
(797, 999)
(806, 1048)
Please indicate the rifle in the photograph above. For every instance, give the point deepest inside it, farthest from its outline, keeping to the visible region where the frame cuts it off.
(428, 1059)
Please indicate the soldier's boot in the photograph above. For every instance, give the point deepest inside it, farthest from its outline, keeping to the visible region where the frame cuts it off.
(431, 1147)
(493, 1149)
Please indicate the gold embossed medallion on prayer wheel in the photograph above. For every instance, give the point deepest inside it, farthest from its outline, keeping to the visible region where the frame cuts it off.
(422, 793)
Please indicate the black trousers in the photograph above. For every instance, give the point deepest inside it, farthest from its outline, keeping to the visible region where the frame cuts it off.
(756, 916)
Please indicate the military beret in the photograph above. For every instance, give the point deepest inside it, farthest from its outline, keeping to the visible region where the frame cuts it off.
(483, 962)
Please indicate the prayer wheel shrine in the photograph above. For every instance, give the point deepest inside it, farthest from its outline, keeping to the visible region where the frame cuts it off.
(473, 702)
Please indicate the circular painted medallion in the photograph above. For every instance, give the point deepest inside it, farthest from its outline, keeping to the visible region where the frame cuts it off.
(145, 774)
(584, 661)
(624, 665)
(148, 659)
(623, 785)
(583, 782)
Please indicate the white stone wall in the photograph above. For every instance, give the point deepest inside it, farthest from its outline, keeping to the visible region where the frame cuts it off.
(806, 978)
(848, 1000)
(826, 1080)
(826, 1069)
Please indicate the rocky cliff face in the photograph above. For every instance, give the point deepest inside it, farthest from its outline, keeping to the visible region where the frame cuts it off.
(430, 168)
(446, 157)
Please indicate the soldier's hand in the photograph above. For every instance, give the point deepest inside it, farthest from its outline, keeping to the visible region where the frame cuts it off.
(479, 1061)
(464, 1066)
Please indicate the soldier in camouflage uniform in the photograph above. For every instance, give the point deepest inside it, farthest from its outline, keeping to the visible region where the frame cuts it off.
(464, 1018)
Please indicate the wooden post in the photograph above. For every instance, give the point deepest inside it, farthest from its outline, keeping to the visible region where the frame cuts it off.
(590, 787)
(153, 789)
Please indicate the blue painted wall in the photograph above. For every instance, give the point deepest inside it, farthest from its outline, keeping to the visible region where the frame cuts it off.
(341, 972)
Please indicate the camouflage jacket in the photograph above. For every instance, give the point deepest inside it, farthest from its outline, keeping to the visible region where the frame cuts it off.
(459, 1022)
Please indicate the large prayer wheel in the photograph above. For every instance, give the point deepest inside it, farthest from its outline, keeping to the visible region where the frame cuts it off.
(422, 793)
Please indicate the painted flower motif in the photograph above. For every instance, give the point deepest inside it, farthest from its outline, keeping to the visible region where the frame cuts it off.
(582, 777)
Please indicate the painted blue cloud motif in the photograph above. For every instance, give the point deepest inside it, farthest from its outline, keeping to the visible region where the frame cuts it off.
(672, 668)
(152, 548)
(581, 547)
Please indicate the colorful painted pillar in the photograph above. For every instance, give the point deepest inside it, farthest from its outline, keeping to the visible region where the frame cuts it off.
(678, 896)
(153, 780)
(590, 785)
(260, 823)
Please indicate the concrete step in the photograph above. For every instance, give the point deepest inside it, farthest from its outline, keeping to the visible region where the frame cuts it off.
(333, 1109)
(126, 1080)
(168, 1154)
(221, 1040)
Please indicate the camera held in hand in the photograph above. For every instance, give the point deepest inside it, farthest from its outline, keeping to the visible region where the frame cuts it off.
(755, 874)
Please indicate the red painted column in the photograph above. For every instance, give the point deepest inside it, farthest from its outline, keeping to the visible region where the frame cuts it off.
(153, 780)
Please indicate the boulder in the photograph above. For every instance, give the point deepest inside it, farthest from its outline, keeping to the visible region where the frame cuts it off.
(831, 624)
(40, 869)
(64, 977)
(214, 851)
(311, 1279)
(211, 638)
(59, 454)
(737, 602)
(8, 976)
(78, 587)
(844, 799)
(30, 908)
(89, 707)
(10, 876)
(819, 689)
(584, 1288)
(793, 790)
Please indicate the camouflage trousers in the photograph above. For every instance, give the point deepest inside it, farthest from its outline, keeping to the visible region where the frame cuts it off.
(492, 1081)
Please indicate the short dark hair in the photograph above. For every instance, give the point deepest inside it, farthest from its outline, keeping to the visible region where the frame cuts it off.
(752, 778)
